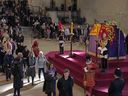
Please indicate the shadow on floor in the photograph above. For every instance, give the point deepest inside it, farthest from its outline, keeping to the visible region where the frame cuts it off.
(25, 88)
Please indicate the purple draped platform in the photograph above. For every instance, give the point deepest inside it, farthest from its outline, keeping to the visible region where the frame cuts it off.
(118, 43)
(76, 63)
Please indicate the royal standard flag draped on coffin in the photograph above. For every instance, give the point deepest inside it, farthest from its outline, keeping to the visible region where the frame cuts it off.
(95, 29)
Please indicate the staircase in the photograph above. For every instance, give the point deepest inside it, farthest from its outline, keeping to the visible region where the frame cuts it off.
(76, 64)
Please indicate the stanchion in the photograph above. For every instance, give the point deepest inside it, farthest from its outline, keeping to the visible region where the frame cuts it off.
(71, 54)
(71, 39)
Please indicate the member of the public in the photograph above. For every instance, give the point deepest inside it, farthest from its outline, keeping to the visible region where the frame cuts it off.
(26, 56)
(7, 45)
(20, 48)
(65, 84)
(2, 54)
(41, 64)
(67, 33)
(19, 39)
(35, 48)
(31, 69)
(17, 71)
(89, 76)
(8, 58)
(117, 85)
(50, 81)
(13, 45)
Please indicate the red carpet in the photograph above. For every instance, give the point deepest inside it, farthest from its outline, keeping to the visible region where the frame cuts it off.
(76, 64)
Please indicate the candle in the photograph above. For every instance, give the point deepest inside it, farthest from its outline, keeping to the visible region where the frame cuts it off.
(71, 27)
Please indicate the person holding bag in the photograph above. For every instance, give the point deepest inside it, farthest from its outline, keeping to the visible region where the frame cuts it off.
(31, 67)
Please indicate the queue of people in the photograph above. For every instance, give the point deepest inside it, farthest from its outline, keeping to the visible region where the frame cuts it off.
(50, 30)
(24, 63)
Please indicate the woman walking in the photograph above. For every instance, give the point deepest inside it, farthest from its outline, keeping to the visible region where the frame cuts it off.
(50, 81)
(17, 71)
(31, 69)
(41, 64)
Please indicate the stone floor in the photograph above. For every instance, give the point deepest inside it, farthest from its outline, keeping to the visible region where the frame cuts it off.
(6, 88)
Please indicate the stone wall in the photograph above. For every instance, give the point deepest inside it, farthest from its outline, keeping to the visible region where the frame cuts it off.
(44, 3)
(114, 10)
(105, 10)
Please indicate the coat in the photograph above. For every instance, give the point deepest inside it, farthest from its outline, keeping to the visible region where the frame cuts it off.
(20, 48)
(17, 71)
(41, 61)
(48, 83)
(36, 51)
(31, 70)
(8, 59)
(116, 87)
(20, 39)
(65, 86)
(35, 48)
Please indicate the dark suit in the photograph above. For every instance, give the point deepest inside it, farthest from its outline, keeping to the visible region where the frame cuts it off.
(65, 87)
(116, 87)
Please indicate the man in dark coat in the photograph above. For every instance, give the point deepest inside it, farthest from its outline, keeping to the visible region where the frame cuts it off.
(65, 84)
(117, 85)
(17, 71)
